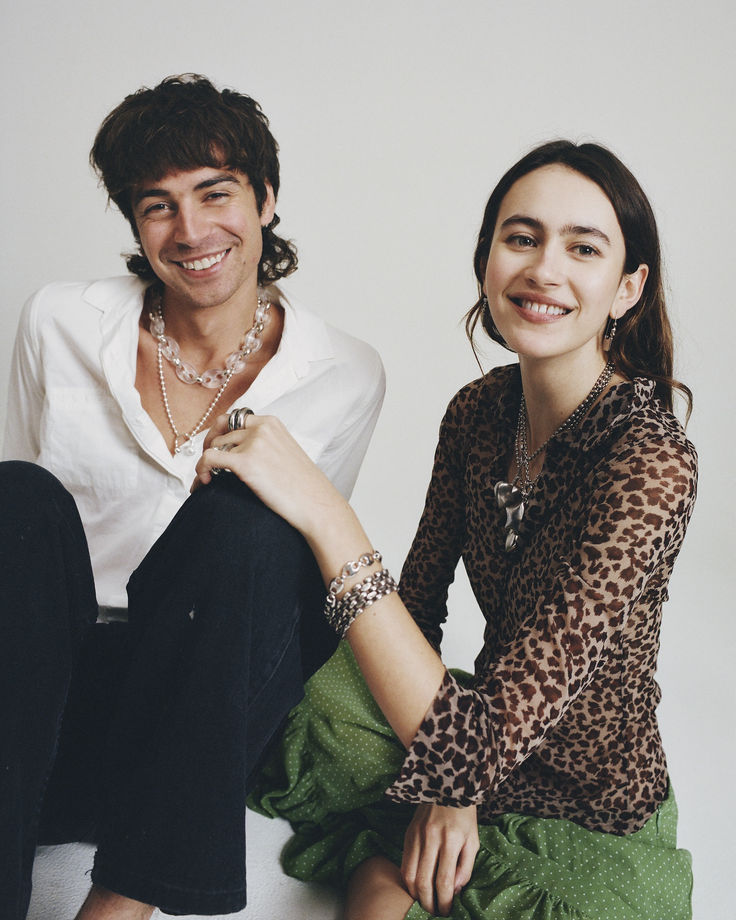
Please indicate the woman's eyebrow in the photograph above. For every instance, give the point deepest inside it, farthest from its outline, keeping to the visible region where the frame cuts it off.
(523, 219)
(567, 230)
(580, 230)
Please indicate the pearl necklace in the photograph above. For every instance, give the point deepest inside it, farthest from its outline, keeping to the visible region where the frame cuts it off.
(234, 363)
(512, 496)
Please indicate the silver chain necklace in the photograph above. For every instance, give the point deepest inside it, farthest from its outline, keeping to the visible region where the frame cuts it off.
(512, 496)
(234, 363)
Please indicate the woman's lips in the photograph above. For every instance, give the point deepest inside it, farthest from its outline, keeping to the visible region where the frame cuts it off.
(539, 310)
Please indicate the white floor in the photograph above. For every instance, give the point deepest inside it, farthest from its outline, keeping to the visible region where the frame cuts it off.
(61, 880)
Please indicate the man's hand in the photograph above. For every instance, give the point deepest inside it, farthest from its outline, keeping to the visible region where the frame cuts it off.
(439, 851)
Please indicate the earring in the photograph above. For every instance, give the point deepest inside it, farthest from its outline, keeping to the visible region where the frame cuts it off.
(484, 302)
(609, 333)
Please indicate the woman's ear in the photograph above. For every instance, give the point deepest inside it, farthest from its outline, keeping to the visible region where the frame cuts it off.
(629, 291)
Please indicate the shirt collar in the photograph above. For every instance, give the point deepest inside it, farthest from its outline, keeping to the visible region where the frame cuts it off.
(615, 408)
(305, 336)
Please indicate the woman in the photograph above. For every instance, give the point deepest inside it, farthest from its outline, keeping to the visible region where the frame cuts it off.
(566, 484)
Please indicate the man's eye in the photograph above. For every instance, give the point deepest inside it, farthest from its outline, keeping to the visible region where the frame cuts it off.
(156, 208)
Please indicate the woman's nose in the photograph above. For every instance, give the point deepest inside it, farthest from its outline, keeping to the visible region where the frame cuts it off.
(545, 266)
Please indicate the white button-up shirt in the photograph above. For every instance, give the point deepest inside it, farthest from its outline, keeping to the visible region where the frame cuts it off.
(73, 408)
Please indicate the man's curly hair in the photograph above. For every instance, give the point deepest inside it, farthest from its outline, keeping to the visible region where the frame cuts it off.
(186, 123)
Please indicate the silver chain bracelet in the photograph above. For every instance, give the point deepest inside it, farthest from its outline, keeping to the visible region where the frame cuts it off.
(349, 569)
(342, 613)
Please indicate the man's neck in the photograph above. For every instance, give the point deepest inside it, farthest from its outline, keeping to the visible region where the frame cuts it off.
(208, 334)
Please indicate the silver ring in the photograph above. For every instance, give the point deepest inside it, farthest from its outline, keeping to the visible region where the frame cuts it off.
(237, 418)
(216, 470)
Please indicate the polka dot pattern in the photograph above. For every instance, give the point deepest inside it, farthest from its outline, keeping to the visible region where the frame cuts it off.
(338, 756)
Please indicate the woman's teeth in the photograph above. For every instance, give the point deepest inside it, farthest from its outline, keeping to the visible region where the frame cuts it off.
(546, 308)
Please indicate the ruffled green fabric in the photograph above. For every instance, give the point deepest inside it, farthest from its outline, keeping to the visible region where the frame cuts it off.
(338, 755)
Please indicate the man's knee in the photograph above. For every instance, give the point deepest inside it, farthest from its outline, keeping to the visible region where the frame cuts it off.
(231, 515)
(29, 492)
(27, 480)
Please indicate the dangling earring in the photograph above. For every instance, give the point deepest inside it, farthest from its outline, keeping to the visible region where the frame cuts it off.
(609, 333)
(484, 302)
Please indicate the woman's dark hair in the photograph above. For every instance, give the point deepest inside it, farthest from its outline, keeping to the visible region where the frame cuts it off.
(185, 123)
(642, 345)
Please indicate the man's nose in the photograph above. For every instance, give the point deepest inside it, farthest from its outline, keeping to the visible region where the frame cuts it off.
(190, 226)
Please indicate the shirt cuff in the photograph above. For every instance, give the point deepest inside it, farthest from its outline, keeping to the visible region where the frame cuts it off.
(446, 763)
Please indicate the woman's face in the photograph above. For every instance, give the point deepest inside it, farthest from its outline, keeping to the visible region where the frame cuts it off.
(555, 266)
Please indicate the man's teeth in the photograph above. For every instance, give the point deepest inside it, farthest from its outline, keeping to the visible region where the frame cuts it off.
(547, 308)
(199, 264)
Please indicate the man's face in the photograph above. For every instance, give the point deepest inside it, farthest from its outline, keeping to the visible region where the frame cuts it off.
(200, 230)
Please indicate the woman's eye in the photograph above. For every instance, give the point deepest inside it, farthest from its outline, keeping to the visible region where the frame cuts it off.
(585, 249)
(521, 240)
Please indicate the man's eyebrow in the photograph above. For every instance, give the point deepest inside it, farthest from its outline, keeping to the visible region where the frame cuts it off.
(215, 180)
(165, 193)
(567, 230)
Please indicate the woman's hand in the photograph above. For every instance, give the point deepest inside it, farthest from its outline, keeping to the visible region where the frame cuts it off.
(401, 669)
(439, 851)
(268, 459)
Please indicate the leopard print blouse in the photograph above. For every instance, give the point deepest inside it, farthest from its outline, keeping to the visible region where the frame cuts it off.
(559, 719)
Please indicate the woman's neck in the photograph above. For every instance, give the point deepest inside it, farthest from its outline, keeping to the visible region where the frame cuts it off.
(554, 388)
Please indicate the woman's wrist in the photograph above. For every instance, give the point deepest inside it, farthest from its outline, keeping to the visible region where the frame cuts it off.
(336, 536)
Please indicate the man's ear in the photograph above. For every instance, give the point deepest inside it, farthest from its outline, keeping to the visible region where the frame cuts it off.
(269, 205)
(629, 291)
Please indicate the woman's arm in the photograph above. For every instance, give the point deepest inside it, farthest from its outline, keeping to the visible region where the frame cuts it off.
(401, 669)
(631, 527)
(576, 624)
(430, 566)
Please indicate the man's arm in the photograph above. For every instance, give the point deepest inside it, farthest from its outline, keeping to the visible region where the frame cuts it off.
(25, 390)
(344, 456)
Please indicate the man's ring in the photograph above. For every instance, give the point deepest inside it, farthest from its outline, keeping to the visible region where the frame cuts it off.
(216, 470)
(237, 418)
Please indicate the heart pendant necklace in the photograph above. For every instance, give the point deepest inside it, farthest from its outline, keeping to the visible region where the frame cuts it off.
(513, 496)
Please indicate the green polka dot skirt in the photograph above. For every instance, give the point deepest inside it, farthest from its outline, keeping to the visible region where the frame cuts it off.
(327, 778)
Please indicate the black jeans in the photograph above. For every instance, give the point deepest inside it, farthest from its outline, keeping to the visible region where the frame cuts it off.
(143, 736)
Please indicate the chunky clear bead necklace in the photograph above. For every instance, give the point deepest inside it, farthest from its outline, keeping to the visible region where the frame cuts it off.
(212, 379)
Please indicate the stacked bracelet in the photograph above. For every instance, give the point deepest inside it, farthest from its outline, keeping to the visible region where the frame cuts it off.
(350, 568)
(342, 613)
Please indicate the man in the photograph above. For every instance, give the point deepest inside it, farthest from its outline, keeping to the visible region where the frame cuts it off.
(167, 703)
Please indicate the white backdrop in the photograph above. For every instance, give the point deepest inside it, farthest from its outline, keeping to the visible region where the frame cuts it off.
(395, 120)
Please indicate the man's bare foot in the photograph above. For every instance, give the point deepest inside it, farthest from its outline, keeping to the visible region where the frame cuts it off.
(102, 904)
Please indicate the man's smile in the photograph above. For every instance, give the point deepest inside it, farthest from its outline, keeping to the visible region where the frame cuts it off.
(199, 265)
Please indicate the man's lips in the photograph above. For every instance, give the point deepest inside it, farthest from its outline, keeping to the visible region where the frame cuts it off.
(203, 262)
